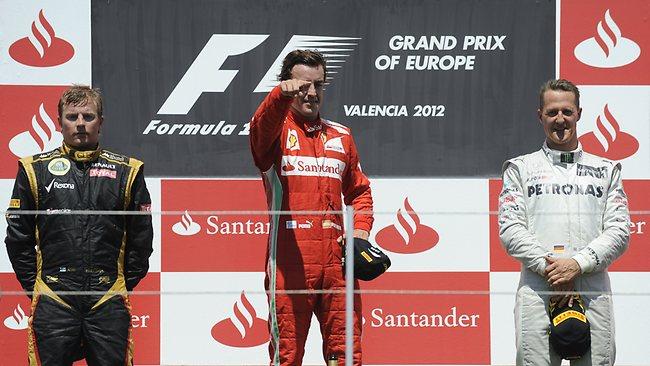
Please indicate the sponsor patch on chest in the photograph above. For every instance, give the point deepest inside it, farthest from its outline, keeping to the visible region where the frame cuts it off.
(100, 172)
(590, 171)
(309, 166)
(335, 144)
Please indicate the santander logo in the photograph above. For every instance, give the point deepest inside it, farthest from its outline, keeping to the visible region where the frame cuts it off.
(186, 226)
(41, 48)
(243, 329)
(42, 137)
(17, 321)
(288, 167)
(410, 236)
(608, 49)
(608, 140)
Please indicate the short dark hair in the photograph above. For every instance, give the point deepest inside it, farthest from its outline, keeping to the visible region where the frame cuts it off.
(79, 96)
(302, 57)
(558, 84)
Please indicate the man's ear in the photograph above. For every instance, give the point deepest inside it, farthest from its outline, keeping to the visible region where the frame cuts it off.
(579, 114)
(539, 115)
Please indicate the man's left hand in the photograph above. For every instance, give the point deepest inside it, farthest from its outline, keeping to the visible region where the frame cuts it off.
(561, 271)
(361, 234)
(357, 233)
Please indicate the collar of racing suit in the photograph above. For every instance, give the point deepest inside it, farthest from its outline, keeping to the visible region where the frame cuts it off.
(78, 155)
(562, 157)
(304, 123)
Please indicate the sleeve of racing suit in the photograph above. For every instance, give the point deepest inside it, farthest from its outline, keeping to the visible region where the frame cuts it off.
(21, 232)
(356, 191)
(517, 240)
(266, 127)
(613, 241)
(139, 234)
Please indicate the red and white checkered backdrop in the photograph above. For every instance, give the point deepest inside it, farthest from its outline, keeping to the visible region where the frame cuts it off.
(450, 242)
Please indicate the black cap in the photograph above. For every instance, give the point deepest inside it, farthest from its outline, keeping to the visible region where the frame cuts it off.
(570, 335)
(369, 261)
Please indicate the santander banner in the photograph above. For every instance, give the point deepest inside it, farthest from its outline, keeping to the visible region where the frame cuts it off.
(615, 125)
(437, 328)
(30, 124)
(213, 242)
(605, 42)
(423, 223)
(45, 43)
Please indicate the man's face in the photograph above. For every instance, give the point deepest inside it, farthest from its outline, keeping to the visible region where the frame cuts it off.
(559, 117)
(80, 126)
(307, 103)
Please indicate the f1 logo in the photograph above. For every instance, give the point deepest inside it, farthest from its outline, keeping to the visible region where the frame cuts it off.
(202, 76)
(205, 74)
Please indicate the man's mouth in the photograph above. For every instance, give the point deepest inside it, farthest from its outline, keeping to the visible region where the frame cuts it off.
(561, 132)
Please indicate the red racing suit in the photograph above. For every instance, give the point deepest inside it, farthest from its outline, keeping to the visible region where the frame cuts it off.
(307, 166)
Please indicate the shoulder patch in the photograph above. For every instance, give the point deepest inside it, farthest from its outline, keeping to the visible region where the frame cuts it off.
(336, 126)
(42, 156)
(114, 157)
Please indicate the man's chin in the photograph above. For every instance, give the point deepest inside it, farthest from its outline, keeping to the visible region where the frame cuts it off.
(309, 113)
(81, 145)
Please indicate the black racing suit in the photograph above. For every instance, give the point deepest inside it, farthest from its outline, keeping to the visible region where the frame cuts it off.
(105, 254)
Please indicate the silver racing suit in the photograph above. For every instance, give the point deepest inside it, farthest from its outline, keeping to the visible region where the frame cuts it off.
(564, 204)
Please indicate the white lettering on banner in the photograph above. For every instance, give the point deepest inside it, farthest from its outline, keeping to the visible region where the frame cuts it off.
(139, 321)
(375, 110)
(637, 227)
(451, 320)
(437, 62)
(384, 62)
(419, 110)
(434, 62)
(312, 167)
(483, 43)
(204, 75)
(191, 129)
(236, 227)
(426, 43)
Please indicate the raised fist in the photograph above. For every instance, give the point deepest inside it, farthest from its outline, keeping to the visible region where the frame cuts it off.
(292, 87)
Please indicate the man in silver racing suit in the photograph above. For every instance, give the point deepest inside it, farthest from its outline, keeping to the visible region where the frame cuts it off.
(563, 214)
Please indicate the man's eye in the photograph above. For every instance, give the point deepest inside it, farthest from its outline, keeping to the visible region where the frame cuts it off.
(318, 85)
(552, 113)
(89, 117)
(567, 112)
(71, 117)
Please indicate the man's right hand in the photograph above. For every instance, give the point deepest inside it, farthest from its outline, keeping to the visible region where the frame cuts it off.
(564, 299)
(292, 87)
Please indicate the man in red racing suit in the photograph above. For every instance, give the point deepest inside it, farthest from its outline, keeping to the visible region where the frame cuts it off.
(307, 164)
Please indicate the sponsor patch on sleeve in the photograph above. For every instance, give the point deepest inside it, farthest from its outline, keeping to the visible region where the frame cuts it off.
(145, 207)
(14, 203)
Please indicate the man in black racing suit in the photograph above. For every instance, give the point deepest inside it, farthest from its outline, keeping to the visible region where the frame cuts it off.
(54, 251)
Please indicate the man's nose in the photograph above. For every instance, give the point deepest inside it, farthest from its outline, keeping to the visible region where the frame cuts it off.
(79, 122)
(311, 91)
